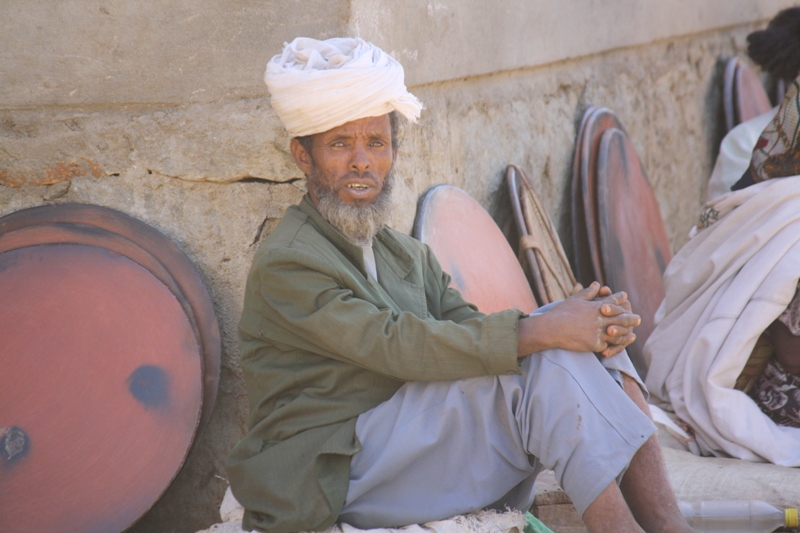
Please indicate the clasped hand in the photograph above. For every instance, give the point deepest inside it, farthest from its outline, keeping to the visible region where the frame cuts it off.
(602, 320)
(591, 320)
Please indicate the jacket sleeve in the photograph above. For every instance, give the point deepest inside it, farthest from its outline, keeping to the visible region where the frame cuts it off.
(451, 304)
(309, 305)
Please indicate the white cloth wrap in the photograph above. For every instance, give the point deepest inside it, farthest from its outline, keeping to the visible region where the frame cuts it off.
(319, 85)
(734, 156)
(723, 288)
(735, 152)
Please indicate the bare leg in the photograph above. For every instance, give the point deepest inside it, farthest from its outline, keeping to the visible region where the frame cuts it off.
(609, 513)
(645, 485)
(648, 499)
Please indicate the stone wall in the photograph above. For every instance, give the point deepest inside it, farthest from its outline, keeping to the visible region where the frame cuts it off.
(207, 163)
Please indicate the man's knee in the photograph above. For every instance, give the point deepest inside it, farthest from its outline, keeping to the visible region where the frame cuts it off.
(634, 392)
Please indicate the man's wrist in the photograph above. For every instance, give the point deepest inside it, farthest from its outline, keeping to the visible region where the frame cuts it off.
(534, 334)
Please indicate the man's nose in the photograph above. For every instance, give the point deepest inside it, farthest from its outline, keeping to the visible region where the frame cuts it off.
(360, 160)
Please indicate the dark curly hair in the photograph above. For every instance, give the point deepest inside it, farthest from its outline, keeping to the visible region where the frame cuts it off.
(776, 49)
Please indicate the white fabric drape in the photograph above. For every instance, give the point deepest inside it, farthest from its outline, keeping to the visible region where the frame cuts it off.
(723, 289)
(318, 85)
(735, 152)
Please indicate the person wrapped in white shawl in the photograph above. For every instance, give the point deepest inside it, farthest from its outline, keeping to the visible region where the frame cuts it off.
(726, 349)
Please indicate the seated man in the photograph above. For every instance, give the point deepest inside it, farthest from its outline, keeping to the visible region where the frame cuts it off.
(379, 397)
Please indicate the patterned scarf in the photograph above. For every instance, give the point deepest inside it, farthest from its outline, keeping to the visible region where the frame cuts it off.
(777, 393)
(777, 152)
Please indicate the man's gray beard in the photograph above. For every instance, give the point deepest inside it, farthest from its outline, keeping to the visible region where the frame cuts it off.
(359, 224)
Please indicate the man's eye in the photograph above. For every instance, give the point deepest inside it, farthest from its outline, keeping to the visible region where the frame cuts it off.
(337, 144)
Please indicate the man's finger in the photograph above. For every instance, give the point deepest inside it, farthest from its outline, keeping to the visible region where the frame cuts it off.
(618, 298)
(616, 347)
(614, 305)
(623, 340)
(625, 303)
(618, 331)
(589, 293)
(602, 346)
(611, 351)
(628, 320)
(611, 310)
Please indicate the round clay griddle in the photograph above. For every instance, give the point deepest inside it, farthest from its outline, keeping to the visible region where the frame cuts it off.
(549, 267)
(750, 97)
(514, 181)
(100, 226)
(584, 202)
(103, 378)
(106, 362)
(580, 247)
(728, 99)
(743, 94)
(471, 248)
(633, 241)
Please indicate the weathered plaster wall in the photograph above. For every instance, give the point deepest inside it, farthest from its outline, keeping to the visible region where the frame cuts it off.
(667, 95)
(114, 52)
(197, 152)
(449, 39)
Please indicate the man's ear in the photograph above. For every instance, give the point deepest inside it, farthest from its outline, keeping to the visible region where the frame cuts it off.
(301, 156)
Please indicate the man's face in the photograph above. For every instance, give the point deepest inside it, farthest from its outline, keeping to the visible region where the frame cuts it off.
(351, 160)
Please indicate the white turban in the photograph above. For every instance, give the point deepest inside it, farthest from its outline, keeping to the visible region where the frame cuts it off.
(318, 85)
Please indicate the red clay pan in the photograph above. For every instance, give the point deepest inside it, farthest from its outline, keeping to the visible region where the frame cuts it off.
(540, 247)
(728, 103)
(751, 98)
(588, 264)
(633, 241)
(743, 95)
(471, 248)
(99, 226)
(109, 347)
(580, 245)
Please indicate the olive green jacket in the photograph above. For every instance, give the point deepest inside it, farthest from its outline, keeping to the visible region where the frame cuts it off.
(322, 342)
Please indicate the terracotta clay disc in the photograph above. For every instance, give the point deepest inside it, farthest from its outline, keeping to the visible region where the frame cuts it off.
(750, 97)
(633, 241)
(743, 94)
(527, 255)
(471, 248)
(584, 194)
(103, 377)
(550, 272)
(115, 231)
(728, 99)
(104, 363)
(581, 257)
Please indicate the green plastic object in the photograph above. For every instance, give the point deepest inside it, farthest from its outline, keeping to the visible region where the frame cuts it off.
(534, 525)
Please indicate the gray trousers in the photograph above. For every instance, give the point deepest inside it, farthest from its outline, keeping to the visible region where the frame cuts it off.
(438, 449)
